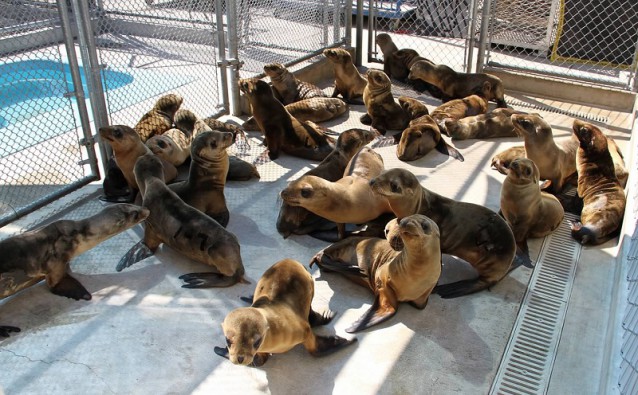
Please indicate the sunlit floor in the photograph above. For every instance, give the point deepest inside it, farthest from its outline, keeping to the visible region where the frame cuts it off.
(143, 333)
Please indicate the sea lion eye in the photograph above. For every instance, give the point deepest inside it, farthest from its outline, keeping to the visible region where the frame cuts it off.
(117, 133)
(306, 192)
(213, 144)
(229, 342)
(257, 343)
(394, 187)
(528, 172)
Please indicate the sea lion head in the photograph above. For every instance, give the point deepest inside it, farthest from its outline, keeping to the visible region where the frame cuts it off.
(532, 126)
(245, 329)
(276, 71)
(456, 129)
(254, 86)
(418, 139)
(378, 80)
(392, 234)
(185, 121)
(208, 145)
(383, 38)
(417, 227)
(352, 140)
(119, 137)
(148, 165)
(413, 107)
(590, 138)
(162, 146)
(422, 70)
(338, 55)
(122, 216)
(169, 104)
(523, 171)
(395, 184)
(308, 191)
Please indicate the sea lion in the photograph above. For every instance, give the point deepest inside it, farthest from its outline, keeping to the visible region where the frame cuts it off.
(160, 118)
(46, 252)
(469, 231)
(496, 123)
(127, 147)
(279, 318)
(501, 161)
(288, 88)
(420, 137)
(382, 111)
(458, 108)
(408, 275)
(414, 108)
(185, 229)
(316, 109)
(298, 220)
(282, 131)
(204, 188)
(603, 197)
(349, 83)
(174, 146)
(240, 170)
(347, 200)
(459, 85)
(527, 210)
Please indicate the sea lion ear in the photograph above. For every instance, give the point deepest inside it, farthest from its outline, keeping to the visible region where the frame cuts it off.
(487, 87)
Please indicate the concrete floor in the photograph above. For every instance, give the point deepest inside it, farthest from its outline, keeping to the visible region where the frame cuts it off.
(143, 333)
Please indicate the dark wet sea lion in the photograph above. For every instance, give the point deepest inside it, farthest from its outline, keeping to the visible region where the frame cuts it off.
(288, 88)
(382, 111)
(408, 275)
(45, 253)
(160, 118)
(469, 231)
(185, 229)
(496, 123)
(279, 318)
(349, 83)
(603, 197)
(298, 220)
(316, 109)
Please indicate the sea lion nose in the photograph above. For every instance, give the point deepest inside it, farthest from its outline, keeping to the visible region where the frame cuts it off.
(240, 359)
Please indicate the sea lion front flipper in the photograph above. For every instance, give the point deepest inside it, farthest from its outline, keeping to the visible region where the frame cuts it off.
(460, 288)
(319, 346)
(208, 280)
(316, 319)
(522, 255)
(366, 119)
(443, 147)
(71, 288)
(383, 308)
(221, 351)
(5, 330)
(247, 299)
(137, 253)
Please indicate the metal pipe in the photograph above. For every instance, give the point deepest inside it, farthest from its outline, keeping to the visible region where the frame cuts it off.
(371, 28)
(633, 70)
(358, 61)
(336, 21)
(471, 39)
(324, 22)
(221, 54)
(348, 21)
(78, 90)
(480, 59)
(233, 44)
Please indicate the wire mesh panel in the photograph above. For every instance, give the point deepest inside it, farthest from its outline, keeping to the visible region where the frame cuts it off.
(157, 47)
(436, 29)
(591, 40)
(40, 150)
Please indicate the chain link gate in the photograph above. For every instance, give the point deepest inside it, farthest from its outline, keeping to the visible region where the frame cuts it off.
(43, 116)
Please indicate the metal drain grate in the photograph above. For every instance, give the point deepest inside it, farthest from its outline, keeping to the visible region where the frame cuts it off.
(576, 114)
(529, 356)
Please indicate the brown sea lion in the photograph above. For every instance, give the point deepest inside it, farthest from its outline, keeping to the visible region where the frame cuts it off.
(204, 188)
(496, 123)
(282, 131)
(45, 253)
(414, 108)
(349, 83)
(279, 318)
(317, 109)
(185, 229)
(382, 111)
(503, 159)
(399, 64)
(288, 88)
(408, 275)
(469, 231)
(603, 197)
(420, 137)
(298, 220)
(174, 146)
(127, 147)
(459, 85)
(160, 118)
(347, 200)
(458, 108)
(240, 170)
(527, 210)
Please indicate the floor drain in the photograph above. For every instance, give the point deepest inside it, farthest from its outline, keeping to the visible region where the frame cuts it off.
(575, 114)
(529, 356)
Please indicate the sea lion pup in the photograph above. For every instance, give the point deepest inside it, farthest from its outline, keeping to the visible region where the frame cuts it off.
(282, 131)
(496, 123)
(204, 188)
(349, 83)
(603, 197)
(459, 85)
(279, 318)
(527, 210)
(347, 200)
(501, 161)
(298, 220)
(288, 88)
(408, 275)
(185, 229)
(382, 111)
(46, 252)
(127, 147)
(458, 108)
(160, 118)
(469, 231)
(174, 146)
(316, 109)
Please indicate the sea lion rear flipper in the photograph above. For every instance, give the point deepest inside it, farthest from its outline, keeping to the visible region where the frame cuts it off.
(366, 119)
(522, 256)
(335, 265)
(384, 141)
(324, 345)
(71, 288)
(208, 280)
(137, 253)
(5, 330)
(460, 288)
(381, 310)
(443, 147)
(316, 319)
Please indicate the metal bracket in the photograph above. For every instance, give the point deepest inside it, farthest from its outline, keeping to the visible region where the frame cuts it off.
(231, 62)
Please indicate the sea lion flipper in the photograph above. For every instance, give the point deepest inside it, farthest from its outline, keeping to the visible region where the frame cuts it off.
(221, 351)
(381, 310)
(443, 147)
(137, 253)
(262, 159)
(71, 288)
(325, 345)
(522, 255)
(247, 299)
(208, 280)
(5, 330)
(384, 141)
(316, 319)
(460, 288)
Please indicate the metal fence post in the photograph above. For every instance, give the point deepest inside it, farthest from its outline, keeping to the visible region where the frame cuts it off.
(633, 81)
(471, 39)
(483, 38)
(371, 29)
(348, 17)
(221, 54)
(233, 44)
(359, 49)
